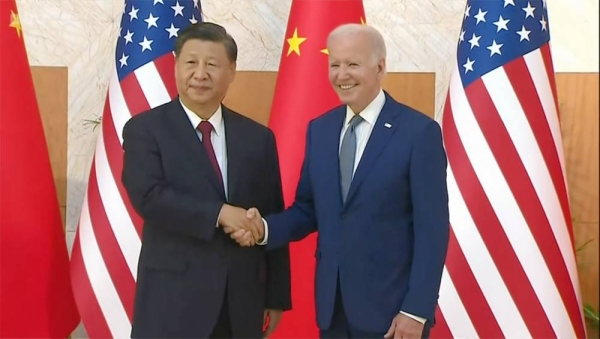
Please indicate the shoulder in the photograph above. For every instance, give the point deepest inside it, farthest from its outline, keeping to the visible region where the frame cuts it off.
(245, 124)
(152, 116)
(330, 117)
(411, 118)
(405, 112)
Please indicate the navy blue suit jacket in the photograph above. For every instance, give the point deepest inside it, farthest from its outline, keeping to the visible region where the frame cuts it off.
(388, 241)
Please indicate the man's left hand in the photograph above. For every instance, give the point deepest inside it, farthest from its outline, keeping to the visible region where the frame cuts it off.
(271, 321)
(404, 327)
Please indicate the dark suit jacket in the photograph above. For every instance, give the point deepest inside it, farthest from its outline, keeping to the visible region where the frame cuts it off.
(388, 241)
(186, 263)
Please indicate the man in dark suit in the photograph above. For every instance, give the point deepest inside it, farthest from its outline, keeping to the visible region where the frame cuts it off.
(373, 184)
(192, 167)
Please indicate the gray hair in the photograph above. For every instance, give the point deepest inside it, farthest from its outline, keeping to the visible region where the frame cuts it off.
(378, 49)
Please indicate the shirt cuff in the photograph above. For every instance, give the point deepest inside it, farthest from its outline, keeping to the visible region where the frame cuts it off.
(266, 238)
(419, 319)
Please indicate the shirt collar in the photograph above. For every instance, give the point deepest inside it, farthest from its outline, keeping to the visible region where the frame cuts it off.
(216, 119)
(371, 112)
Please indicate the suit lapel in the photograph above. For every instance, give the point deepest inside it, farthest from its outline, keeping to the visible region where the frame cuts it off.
(190, 143)
(331, 148)
(234, 140)
(382, 131)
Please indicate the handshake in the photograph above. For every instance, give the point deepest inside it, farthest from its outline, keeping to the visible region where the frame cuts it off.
(244, 226)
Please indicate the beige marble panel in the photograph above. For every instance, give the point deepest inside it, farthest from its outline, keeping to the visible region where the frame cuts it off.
(258, 27)
(574, 34)
(80, 35)
(421, 36)
(87, 94)
(57, 32)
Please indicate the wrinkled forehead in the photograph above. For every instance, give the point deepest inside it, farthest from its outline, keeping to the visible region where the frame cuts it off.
(349, 47)
(349, 37)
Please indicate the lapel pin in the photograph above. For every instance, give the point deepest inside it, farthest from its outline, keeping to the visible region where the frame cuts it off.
(387, 125)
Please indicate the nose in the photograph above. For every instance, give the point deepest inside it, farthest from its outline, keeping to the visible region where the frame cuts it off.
(200, 72)
(343, 72)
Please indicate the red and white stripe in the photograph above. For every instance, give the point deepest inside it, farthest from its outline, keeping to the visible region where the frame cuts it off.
(511, 269)
(108, 241)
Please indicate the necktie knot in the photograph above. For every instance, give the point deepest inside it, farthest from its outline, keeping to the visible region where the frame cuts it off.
(205, 128)
(356, 119)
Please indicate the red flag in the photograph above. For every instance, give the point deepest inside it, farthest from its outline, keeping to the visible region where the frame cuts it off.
(510, 270)
(302, 93)
(35, 290)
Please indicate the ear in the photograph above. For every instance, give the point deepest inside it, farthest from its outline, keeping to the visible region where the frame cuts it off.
(381, 70)
(176, 61)
(233, 71)
(175, 66)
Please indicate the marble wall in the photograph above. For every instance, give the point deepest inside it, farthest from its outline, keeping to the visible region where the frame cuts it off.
(420, 34)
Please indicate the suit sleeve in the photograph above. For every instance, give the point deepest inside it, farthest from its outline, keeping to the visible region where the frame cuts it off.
(152, 197)
(299, 220)
(431, 222)
(278, 261)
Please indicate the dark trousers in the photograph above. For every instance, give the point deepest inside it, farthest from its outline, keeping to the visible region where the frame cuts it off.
(340, 328)
(223, 326)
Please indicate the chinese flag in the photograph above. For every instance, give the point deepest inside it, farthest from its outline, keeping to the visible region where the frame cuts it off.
(36, 300)
(303, 93)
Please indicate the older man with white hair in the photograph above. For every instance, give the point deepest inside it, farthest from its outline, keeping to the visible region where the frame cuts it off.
(373, 185)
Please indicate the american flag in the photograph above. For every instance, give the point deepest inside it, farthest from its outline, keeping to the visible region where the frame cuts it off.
(511, 270)
(107, 245)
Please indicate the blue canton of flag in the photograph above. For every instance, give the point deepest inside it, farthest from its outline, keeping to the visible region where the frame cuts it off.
(108, 241)
(511, 270)
(149, 28)
(494, 32)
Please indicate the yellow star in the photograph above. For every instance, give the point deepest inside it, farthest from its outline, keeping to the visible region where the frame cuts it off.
(325, 51)
(15, 22)
(294, 43)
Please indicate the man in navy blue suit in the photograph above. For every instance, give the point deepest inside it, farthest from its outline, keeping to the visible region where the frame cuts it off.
(373, 184)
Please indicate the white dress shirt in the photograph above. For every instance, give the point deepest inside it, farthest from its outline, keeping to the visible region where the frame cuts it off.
(217, 137)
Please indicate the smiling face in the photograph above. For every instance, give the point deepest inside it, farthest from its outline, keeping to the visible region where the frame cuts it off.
(203, 73)
(355, 69)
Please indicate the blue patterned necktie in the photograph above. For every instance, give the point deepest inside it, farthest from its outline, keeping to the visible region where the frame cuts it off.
(347, 155)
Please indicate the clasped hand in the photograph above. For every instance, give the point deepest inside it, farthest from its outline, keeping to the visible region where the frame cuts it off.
(244, 226)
